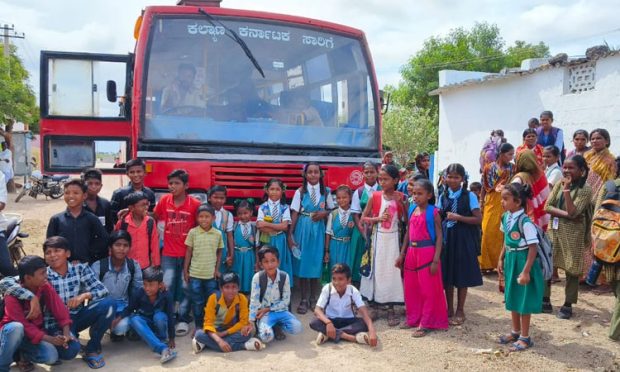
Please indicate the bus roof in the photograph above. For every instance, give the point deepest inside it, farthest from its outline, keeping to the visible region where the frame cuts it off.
(329, 26)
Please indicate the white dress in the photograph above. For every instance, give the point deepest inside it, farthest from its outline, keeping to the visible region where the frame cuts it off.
(384, 285)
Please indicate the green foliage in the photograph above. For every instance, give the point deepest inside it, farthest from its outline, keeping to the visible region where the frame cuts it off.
(408, 131)
(17, 100)
(479, 49)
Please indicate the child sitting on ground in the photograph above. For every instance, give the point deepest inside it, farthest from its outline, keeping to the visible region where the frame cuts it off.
(38, 346)
(121, 276)
(270, 299)
(226, 326)
(335, 317)
(151, 314)
(74, 284)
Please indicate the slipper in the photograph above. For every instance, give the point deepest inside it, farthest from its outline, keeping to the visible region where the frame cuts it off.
(362, 338)
(181, 329)
(421, 332)
(303, 307)
(25, 366)
(94, 361)
(197, 346)
(321, 338)
(167, 355)
(516, 346)
(457, 321)
(506, 339)
(254, 344)
(392, 318)
(278, 333)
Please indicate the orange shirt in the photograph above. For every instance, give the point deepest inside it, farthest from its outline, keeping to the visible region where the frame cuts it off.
(140, 249)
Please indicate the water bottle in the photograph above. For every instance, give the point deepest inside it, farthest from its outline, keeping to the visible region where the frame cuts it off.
(593, 273)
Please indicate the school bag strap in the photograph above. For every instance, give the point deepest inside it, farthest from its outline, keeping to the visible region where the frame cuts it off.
(262, 283)
(150, 225)
(429, 217)
(104, 267)
(217, 310)
(329, 297)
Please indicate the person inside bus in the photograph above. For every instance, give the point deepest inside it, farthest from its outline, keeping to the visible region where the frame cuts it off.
(297, 109)
(182, 96)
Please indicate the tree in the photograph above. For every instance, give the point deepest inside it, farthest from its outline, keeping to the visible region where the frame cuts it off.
(17, 100)
(479, 49)
(408, 131)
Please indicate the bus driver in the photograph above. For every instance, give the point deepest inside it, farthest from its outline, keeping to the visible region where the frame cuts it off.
(182, 96)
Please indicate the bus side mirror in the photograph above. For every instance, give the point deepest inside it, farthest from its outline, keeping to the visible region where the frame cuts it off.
(111, 90)
(384, 99)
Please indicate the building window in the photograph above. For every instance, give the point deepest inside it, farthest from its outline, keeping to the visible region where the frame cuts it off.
(581, 78)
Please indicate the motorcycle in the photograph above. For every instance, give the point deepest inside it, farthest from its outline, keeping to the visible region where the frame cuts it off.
(50, 186)
(10, 223)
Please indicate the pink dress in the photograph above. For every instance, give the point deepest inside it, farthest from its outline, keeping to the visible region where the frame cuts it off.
(425, 301)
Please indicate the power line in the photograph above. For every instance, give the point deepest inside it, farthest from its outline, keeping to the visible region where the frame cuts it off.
(10, 33)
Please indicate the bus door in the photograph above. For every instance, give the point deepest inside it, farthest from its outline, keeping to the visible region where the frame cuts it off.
(85, 102)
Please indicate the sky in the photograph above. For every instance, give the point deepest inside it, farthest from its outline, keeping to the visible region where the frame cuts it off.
(395, 29)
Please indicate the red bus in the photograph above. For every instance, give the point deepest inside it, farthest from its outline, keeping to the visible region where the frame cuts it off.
(235, 97)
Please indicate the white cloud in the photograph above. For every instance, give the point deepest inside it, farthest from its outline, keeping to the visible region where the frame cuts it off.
(395, 29)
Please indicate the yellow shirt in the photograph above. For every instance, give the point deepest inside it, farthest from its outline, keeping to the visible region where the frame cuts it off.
(226, 315)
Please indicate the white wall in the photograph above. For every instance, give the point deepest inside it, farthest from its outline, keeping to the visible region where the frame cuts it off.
(468, 114)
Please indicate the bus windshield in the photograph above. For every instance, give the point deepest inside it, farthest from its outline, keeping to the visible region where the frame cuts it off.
(202, 88)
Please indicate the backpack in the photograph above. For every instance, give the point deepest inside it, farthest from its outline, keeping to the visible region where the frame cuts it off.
(104, 267)
(544, 249)
(150, 225)
(606, 226)
(329, 297)
(262, 283)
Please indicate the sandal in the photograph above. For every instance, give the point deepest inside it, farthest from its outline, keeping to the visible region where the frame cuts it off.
(167, 355)
(278, 333)
(94, 361)
(457, 321)
(421, 332)
(25, 366)
(362, 338)
(522, 344)
(506, 339)
(392, 319)
(303, 307)
(181, 329)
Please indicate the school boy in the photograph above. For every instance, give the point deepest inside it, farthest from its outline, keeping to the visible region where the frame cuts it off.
(74, 283)
(335, 317)
(87, 238)
(135, 170)
(270, 299)
(151, 314)
(121, 276)
(178, 212)
(143, 230)
(226, 327)
(94, 203)
(37, 346)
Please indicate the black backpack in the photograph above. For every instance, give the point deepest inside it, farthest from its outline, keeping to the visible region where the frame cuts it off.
(235, 320)
(329, 297)
(262, 282)
(104, 267)
(150, 225)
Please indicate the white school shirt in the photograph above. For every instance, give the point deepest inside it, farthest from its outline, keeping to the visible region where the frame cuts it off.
(339, 307)
(529, 235)
(355, 202)
(553, 174)
(229, 223)
(286, 215)
(329, 229)
(296, 203)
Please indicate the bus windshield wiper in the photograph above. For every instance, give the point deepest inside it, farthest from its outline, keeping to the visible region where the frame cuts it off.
(233, 35)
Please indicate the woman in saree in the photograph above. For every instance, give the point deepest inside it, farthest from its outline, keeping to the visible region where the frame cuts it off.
(529, 172)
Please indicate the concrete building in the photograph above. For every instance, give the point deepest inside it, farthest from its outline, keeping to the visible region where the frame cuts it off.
(582, 93)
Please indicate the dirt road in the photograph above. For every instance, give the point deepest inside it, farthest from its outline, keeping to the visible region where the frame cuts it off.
(560, 345)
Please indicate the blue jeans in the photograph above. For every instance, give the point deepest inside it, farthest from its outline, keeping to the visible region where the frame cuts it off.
(153, 331)
(46, 353)
(199, 292)
(11, 336)
(173, 280)
(284, 319)
(123, 326)
(236, 340)
(97, 316)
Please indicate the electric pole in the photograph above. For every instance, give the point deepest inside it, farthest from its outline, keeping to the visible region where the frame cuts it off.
(9, 32)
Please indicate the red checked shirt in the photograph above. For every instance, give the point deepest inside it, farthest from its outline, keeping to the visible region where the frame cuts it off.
(15, 310)
(177, 223)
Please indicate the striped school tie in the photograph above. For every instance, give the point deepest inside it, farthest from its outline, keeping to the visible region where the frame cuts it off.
(275, 213)
(344, 217)
(313, 196)
(454, 209)
(245, 231)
